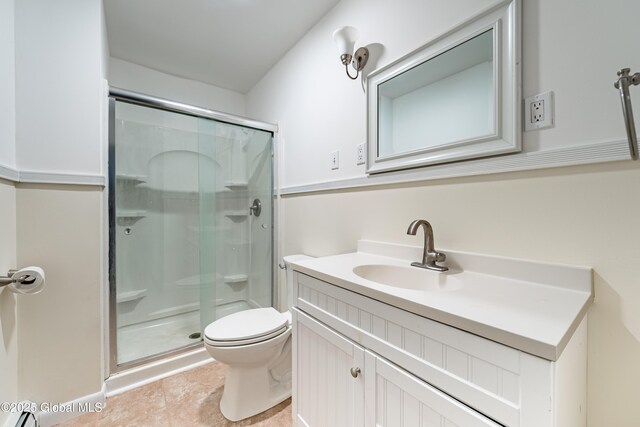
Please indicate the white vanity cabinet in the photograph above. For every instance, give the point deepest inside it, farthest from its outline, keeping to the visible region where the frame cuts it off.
(360, 362)
(328, 395)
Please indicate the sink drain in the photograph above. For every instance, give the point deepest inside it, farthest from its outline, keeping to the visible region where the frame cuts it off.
(195, 336)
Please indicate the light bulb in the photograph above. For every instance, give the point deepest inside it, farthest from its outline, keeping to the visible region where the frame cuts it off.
(345, 38)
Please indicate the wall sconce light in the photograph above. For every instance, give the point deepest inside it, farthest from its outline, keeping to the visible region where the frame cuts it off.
(345, 38)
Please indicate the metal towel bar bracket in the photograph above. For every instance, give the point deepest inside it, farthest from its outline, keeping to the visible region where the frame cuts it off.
(625, 79)
(8, 279)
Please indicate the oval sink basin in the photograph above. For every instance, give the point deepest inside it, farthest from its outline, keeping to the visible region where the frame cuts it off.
(408, 277)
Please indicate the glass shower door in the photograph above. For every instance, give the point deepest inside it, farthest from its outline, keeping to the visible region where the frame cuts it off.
(191, 227)
(261, 227)
(157, 230)
(241, 255)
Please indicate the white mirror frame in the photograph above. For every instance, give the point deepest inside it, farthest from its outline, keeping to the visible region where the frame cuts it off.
(504, 19)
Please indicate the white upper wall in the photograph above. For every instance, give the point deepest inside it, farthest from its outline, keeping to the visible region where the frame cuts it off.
(59, 89)
(7, 85)
(320, 110)
(105, 43)
(126, 75)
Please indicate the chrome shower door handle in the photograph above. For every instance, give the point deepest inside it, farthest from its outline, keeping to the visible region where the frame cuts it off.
(255, 208)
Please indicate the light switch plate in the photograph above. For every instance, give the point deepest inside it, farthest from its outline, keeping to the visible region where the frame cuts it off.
(334, 161)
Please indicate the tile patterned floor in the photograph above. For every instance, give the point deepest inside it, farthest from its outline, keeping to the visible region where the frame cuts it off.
(188, 399)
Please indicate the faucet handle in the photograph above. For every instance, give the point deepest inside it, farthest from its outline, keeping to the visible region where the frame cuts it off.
(440, 257)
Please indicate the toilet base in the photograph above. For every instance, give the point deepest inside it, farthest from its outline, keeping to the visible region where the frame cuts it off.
(248, 392)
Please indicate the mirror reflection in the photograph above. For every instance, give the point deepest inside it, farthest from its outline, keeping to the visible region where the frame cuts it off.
(448, 99)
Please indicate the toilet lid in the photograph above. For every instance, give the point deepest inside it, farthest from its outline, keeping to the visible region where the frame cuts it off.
(246, 325)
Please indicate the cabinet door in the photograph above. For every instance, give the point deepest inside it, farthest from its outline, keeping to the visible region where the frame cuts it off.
(326, 393)
(395, 398)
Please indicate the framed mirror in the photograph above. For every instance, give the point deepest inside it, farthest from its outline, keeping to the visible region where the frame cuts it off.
(455, 98)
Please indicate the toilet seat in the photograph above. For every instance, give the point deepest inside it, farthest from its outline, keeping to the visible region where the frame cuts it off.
(249, 341)
(246, 327)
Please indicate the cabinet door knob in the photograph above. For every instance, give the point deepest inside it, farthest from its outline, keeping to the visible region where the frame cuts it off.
(355, 372)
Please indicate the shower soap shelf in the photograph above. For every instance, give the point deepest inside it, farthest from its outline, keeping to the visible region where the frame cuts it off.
(233, 214)
(131, 295)
(236, 185)
(129, 218)
(132, 179)
(236, 278)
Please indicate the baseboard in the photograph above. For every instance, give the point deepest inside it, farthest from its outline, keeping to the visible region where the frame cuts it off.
(50, 415)
(116, 384)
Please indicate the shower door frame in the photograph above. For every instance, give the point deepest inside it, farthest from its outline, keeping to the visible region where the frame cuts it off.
(117, 94)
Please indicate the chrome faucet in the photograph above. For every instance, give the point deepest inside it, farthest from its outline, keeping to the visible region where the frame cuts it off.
(429, 255)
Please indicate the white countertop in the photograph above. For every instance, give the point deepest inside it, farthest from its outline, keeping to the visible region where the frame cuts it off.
(533, 307)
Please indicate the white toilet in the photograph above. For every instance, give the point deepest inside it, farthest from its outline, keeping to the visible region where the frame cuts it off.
(256, 344)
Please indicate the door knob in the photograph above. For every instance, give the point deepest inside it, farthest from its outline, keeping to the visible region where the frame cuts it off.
(355, 372)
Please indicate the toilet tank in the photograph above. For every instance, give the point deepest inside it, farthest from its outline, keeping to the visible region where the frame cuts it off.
(287, 262)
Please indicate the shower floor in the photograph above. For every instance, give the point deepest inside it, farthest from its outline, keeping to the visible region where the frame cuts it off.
(166, 334)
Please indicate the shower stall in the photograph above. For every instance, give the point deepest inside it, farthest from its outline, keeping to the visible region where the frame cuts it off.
(191, 224)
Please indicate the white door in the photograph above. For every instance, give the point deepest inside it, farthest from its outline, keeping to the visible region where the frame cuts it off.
(327, 392)
(395, 398)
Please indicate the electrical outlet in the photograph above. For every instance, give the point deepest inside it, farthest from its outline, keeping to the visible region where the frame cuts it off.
(538, 111)
(334, 160)
(360, 154)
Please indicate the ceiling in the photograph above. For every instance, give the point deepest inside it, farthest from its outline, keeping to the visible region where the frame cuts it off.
(226, 43)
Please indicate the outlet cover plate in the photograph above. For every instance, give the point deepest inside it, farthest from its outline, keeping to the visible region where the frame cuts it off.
(538, 111)
(360, 154)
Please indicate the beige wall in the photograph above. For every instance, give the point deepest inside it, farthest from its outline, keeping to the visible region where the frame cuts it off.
(60, 329)
(8, 311)
(581, 215)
